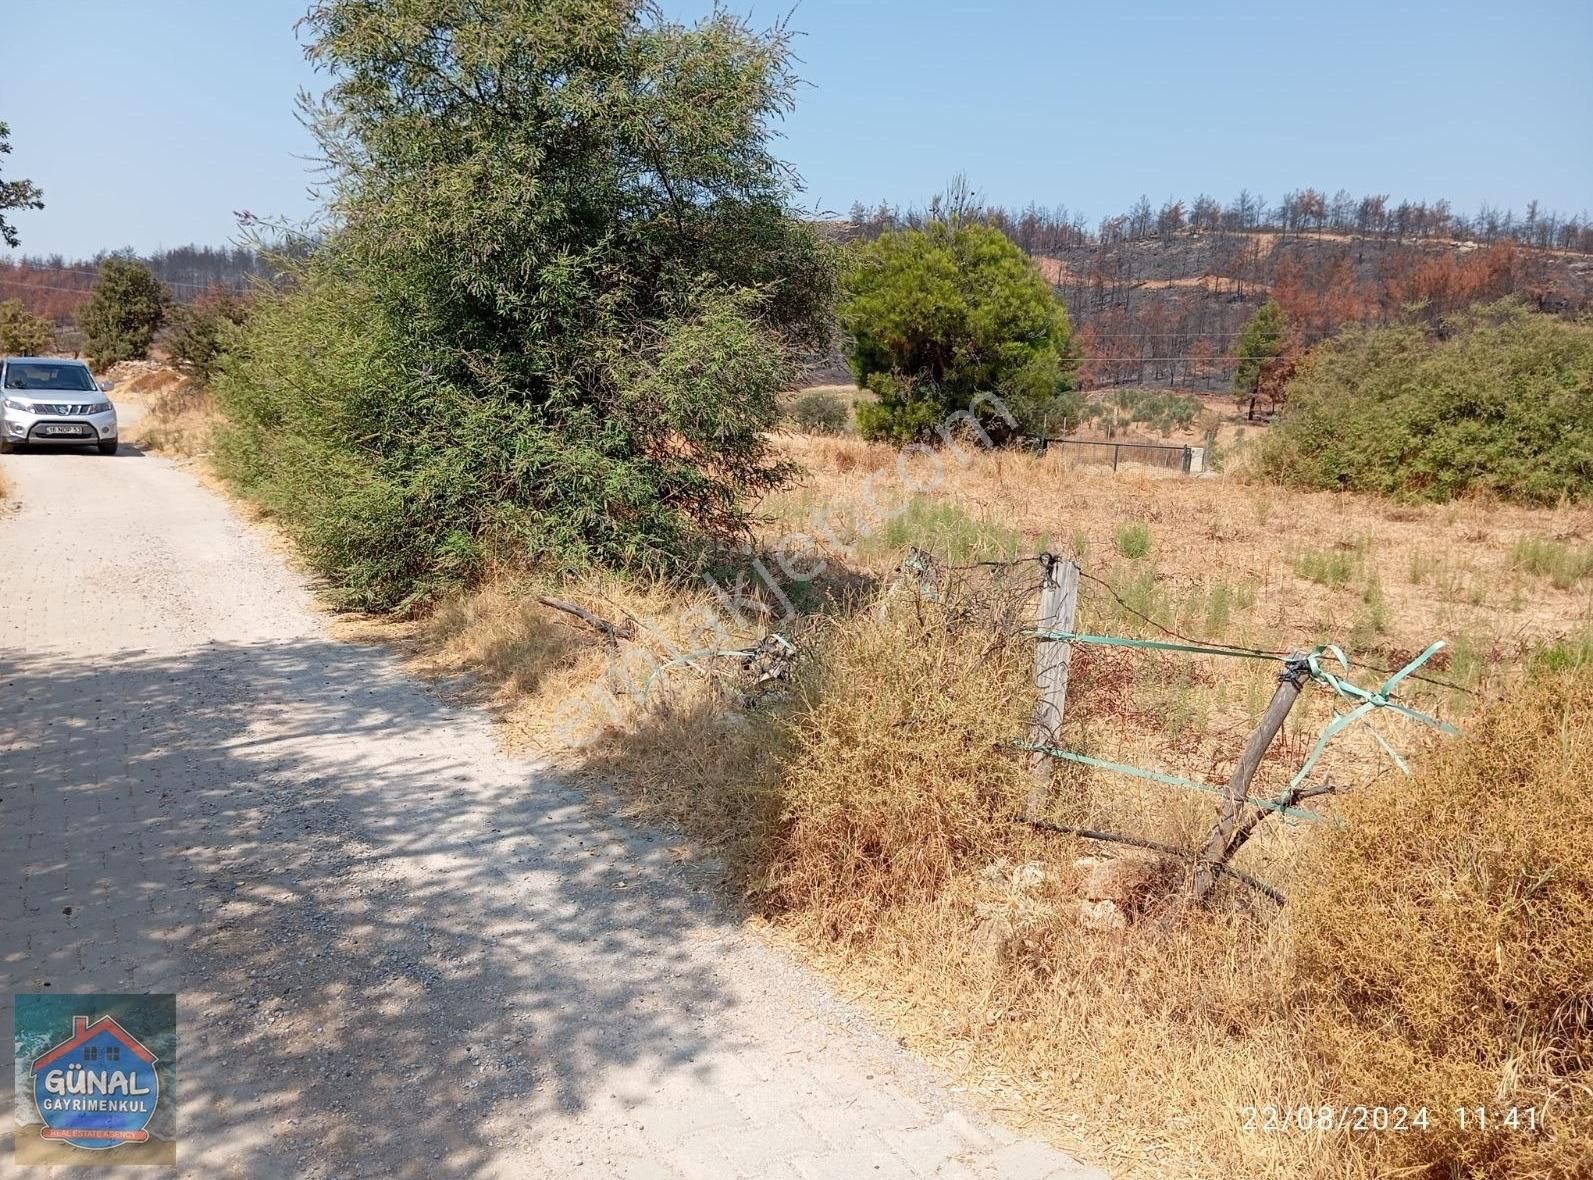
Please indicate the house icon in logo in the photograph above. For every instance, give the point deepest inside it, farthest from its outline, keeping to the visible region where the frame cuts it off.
(98, 1088)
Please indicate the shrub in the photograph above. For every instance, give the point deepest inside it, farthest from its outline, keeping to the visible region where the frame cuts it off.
(1333, 567)
(940, 315)
(124, 311)
(820, 413)
(1444, 947)
(1133, 540)
(22, 334)
(526, 344)
(1500, 402)
(201, 331)
(891, 785)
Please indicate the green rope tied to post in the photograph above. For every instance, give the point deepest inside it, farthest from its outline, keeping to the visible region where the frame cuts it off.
(1365, 702)
(1204, 649)
(1157, 776)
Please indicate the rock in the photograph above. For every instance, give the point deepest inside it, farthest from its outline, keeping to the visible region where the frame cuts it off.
(1121, 879)
(1101, 916)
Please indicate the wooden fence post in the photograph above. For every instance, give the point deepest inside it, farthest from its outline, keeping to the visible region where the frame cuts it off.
(1219, 843)
(1059, 600)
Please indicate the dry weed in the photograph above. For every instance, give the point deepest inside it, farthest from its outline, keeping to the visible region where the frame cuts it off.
(1444, 947)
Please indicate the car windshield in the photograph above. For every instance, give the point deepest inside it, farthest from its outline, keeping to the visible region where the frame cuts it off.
(66, 377)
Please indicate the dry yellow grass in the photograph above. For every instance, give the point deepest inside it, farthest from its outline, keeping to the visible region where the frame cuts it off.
(1444, 949)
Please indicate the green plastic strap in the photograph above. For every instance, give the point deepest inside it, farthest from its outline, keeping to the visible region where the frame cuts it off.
(1156, 644)
(1156, 776)
(1365, 702)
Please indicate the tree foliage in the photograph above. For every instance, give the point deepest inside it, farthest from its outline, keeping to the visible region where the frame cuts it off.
(1263, 340)
(199, 332)
(22, 334)
(15, 194)
(940, 315)
(124, 311)
(562, 295)
(1500, 401)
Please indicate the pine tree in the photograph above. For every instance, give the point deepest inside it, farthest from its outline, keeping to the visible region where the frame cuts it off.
(123, 312)
(1263, 340)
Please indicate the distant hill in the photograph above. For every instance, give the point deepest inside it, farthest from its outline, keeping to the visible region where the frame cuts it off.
(1159, 296)
(55, 286)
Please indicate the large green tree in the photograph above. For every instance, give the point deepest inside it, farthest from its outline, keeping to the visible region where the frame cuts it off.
(125, 309)
(561, 292)
(15, 194)
(939, 316)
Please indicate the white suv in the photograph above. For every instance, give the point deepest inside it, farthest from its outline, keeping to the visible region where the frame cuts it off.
(49, 400)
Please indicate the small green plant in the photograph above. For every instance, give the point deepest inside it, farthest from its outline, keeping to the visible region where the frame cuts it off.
(1335, 567)
(1422, 567)
(947, 531)
(1562, 654)
(820, 413)
(1371, 616)
(1133, 540)
(1564, 565)
(1221, 600)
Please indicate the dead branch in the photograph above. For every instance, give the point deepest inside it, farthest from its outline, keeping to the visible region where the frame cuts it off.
(1289, 798)
(610, 631)
(1156, 846)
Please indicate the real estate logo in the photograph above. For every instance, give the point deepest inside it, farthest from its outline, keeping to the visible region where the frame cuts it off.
(95, 1074)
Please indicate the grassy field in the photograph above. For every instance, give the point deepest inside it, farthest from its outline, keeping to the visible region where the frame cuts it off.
(862, 807)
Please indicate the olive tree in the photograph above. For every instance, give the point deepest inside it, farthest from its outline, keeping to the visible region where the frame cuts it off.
(562, 289)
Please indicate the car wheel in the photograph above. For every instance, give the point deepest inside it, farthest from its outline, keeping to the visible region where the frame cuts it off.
(107, 446)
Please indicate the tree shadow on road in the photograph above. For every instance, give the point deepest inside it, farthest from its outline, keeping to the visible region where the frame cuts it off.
(397, 952)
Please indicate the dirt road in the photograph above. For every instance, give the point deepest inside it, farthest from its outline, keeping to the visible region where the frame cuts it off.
(398, 951)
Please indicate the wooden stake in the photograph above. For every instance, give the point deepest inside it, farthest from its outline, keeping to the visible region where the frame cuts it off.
(1219, 844)
(1059, 600)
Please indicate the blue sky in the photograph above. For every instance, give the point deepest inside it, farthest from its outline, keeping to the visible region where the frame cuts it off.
(149, 123)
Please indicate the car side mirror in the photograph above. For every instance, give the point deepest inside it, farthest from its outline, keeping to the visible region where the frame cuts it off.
(107, 386)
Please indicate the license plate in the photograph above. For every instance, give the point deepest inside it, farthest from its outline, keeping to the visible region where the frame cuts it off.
(73, 431)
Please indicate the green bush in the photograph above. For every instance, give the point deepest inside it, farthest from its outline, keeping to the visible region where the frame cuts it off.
(563, 297)
(23, 334)
(124, 311)
(1501, 401)
(200, 331)
(942, 315)
(820, 413)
